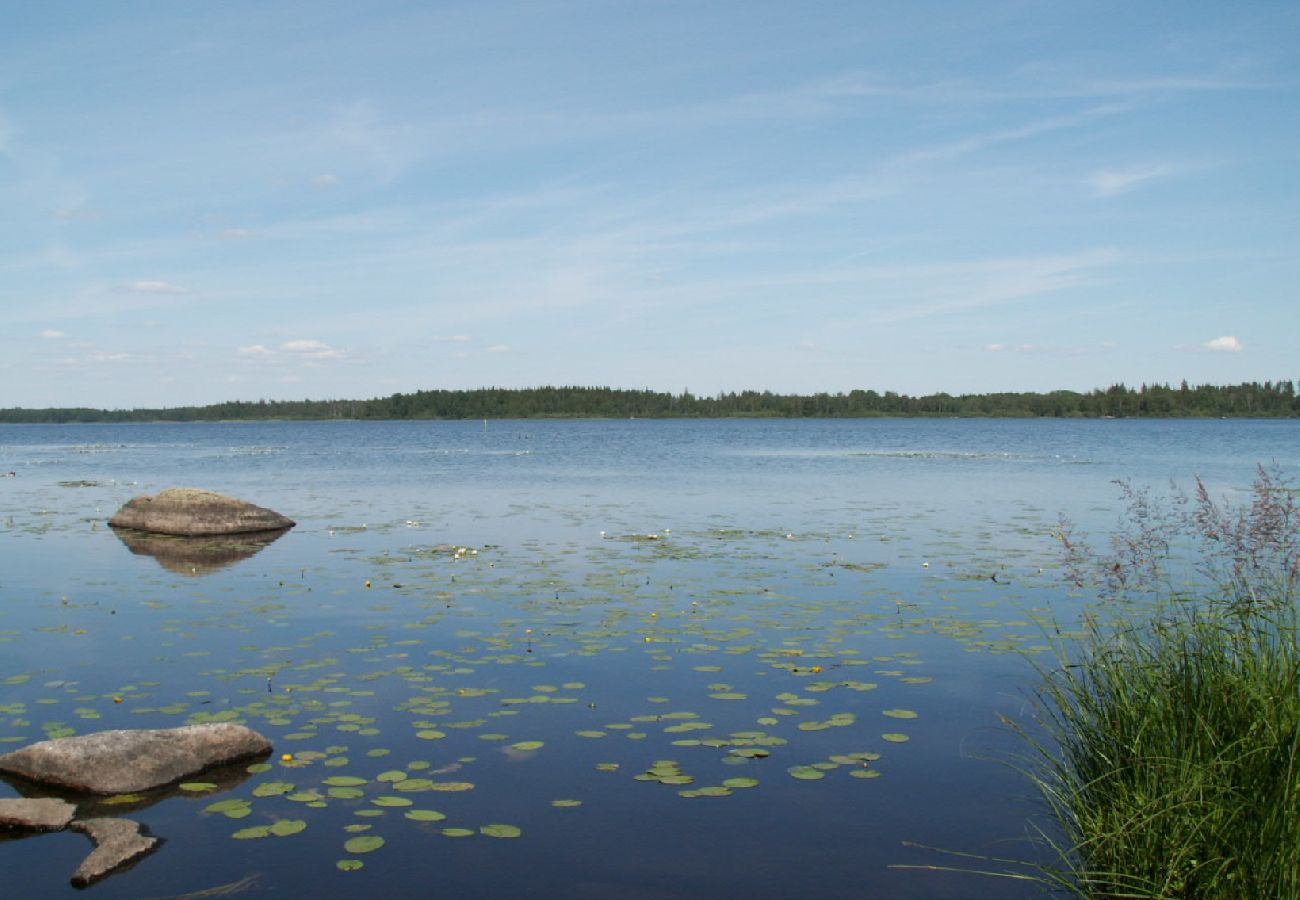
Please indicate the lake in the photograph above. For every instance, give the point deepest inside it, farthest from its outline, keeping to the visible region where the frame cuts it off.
(591, 659)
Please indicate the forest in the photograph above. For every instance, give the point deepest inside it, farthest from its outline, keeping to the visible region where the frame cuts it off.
(1270, 399)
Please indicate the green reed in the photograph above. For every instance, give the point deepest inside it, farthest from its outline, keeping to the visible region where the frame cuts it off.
(1171, 757)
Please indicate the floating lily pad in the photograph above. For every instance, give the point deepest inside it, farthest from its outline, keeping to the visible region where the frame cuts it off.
(451, 786)
(458, 832)
(565, 804)
(234, 808)
(806, 773)
(498, 830)
(255, 831)
(197, 787)
(895, 737)
(349, 865)
(424, 815)
(900, 713)
(366, 843)
(286, 827)
(272, 789)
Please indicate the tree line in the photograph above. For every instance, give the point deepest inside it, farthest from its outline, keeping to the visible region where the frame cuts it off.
(1270, 399)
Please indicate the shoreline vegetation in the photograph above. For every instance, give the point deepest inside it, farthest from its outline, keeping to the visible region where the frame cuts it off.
(1271, 399)
(1172, 760)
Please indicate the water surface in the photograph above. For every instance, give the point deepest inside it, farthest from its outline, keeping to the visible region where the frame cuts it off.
(529, 612)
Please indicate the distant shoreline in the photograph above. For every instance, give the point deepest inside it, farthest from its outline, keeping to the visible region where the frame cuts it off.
(1251, 400)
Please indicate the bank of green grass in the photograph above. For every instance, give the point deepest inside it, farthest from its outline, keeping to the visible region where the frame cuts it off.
(1177, 766)
(1171, 763)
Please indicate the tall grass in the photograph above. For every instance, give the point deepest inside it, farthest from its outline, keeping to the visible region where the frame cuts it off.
(1172, 758)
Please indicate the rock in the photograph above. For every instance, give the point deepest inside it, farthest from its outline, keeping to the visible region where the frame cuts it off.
(192, 512)
(35, 815)
(117, 842)
(124, 762)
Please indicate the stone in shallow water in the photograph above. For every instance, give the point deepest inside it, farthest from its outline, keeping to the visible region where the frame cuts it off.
(117, 842)
(46, 814)
(192, 512)
(123, 762)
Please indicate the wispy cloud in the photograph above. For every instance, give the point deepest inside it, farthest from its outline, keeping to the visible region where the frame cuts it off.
(152, 287)
(1225, 344)
(254, 351)
(1112, 182)
(308, 349)
(52, 334)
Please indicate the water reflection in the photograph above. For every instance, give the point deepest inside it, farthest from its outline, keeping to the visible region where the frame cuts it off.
(197, 556)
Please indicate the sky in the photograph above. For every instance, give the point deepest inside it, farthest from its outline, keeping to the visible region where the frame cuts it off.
(204, 201)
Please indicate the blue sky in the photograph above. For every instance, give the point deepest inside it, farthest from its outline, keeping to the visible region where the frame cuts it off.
(240, 200)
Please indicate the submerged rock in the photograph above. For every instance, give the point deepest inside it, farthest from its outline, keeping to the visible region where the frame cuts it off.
(117, 842)
(124, 762)
(192, 512)
(46, 814)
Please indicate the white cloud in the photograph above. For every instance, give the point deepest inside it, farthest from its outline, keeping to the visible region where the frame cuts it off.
(234, 234)
(995, 348)
(52, 334)
(154, 287)
(254, 351)
(1113, 182)
(311, 349)
(499, 348)
(326, 181)
(1225, 344)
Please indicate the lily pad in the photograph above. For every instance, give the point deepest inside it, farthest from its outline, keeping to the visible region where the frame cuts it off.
(273, 789)
(255, 831)
(806, 773)
(286, 827)
(366, 843)
(498, 830)
(424, 815)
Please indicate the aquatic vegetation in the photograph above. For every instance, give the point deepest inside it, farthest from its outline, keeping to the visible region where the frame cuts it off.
(1173, 746)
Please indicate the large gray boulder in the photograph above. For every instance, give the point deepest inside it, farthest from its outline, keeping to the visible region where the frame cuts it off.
(124, 762)
(117, 842)
(192, 512)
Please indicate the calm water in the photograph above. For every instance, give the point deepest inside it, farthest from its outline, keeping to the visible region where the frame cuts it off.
(810, 587)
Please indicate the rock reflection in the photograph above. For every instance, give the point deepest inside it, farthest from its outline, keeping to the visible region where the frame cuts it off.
(197, 556)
